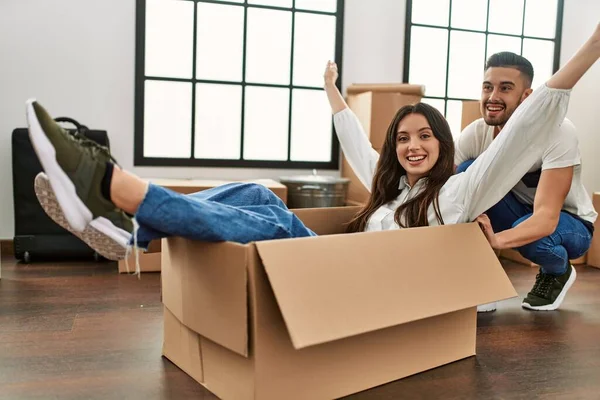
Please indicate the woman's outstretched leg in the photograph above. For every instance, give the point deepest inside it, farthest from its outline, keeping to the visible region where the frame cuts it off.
(86, 192)
(232, 194)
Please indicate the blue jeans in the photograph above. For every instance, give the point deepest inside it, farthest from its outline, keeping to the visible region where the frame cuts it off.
(237, 212)
(570, 240)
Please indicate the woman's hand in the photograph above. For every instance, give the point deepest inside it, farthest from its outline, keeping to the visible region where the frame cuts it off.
(486, 226)
(331, 73)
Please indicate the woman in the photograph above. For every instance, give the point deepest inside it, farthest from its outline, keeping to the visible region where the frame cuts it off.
(412, 182)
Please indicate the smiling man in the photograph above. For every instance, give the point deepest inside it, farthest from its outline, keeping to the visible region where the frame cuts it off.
(548, 216)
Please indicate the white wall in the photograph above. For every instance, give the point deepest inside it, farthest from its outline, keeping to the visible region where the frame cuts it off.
(77, 57)
(580, 20)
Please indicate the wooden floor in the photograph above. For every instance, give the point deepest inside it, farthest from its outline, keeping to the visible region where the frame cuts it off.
(81, 331)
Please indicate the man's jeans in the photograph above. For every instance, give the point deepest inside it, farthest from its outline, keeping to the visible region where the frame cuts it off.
(238, 212)
(570, 240)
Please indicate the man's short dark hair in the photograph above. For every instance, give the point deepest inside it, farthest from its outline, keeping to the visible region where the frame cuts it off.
(512, 60)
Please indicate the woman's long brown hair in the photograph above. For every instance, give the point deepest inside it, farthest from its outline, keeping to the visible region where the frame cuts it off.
(384, 189)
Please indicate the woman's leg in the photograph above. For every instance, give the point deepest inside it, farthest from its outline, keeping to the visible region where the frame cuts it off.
(206, 220)
(128, 192)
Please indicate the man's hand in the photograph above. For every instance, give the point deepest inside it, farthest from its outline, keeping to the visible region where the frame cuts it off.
(331, 73)
(486, 226)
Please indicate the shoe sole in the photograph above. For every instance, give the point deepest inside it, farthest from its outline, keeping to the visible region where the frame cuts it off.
(100, 234)
(559, 299)
(74, 210)
(484, 308)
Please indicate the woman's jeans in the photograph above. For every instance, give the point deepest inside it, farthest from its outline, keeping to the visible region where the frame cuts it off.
(237, 212)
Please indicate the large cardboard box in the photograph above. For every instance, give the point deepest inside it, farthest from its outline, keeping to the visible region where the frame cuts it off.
(150, 261)
(327, 316)
(375, 106)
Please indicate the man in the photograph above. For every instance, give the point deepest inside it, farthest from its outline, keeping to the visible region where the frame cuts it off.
(548, 216)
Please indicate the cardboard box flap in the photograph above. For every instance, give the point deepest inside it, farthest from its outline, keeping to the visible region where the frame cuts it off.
(332, 287)
(205, 287)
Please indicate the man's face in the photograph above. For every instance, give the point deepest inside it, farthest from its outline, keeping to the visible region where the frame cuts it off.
(503, 89)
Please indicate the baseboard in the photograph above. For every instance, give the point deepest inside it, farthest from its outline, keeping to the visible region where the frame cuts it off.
(6, 247)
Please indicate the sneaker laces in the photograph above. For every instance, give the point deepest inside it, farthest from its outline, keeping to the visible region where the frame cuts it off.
(92, 147)
(543, 285)
(135, 249)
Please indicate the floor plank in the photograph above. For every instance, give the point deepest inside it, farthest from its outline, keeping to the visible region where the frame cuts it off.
(76, 330)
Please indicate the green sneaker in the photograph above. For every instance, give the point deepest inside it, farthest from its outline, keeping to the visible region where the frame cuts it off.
(75, 167)
(549, 291)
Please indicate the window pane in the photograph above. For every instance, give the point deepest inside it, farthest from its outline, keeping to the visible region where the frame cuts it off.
(506, 16)
(469, 14)
(220, 59)
(421, 12)
(169, 38)
(266, 123)
(275, 3)
(428, 56)
(437, 103)
(454, 116)
(269, 44)
(232, 1)
(314, 44)
(467, 52)
(317, 5)
(540, 18)
(541, 55)
(167, 119)
(498, 43)
(218, 121)
(311, 126)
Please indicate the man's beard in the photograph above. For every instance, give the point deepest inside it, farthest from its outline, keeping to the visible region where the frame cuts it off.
(501, 119)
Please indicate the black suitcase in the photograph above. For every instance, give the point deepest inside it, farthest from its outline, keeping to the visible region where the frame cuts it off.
(37, 237)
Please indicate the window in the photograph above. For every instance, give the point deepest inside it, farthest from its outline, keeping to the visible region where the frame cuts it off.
(448, 42)
(235, 83)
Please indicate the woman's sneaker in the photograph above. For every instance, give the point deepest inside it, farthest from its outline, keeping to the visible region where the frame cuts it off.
(75, 167)
(101, 235)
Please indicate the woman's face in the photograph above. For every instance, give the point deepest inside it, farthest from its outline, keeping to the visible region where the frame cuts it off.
(416, 147)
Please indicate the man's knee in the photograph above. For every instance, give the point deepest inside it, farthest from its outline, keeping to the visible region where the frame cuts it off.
(462, 167)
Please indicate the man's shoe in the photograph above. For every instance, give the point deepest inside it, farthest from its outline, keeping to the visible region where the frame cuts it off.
(549, 291)
(488, 307)
(101, 235)
(75, 167)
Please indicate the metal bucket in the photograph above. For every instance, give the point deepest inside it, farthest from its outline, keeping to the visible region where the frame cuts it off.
(312, 191)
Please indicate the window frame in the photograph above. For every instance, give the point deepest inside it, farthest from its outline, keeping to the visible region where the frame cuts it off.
(140, 160)
(407, 43)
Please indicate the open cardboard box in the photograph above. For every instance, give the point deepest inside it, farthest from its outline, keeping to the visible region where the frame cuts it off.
(327, 316)
(150, 261)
